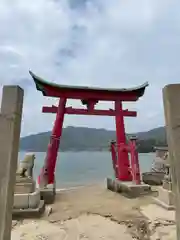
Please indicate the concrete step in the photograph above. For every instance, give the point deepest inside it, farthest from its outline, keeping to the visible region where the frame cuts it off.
(163, 204)
(29, 212)
(48, 195)
(165, 199)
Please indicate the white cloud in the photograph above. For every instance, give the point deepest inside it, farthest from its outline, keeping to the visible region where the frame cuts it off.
(106, 43)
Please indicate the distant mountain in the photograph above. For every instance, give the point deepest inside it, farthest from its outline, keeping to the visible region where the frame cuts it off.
(90, 139)
(156, 133)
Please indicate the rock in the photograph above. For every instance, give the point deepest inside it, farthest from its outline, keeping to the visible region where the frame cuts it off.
(14, 223)
(48, 210)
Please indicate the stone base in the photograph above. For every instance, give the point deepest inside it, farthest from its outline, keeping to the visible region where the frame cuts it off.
(128, 189)
(24, 185)
(167, 185)
(165, 199)
(24, 188)
(153, 178)
(48, 194)
(27, 200)
(29, 212)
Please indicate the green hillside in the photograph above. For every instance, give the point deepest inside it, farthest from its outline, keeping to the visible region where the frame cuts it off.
(90, 139)
(156, 133)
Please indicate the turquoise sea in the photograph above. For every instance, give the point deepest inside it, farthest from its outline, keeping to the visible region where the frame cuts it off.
(83, 168)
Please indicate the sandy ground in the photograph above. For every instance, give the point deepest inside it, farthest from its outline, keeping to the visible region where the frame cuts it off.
(95, 213)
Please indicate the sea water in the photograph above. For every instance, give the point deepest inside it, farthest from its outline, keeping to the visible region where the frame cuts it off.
(75, 169)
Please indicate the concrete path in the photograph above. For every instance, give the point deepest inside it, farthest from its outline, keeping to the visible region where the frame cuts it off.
(161, 222)
(85, 227)
(95, 213)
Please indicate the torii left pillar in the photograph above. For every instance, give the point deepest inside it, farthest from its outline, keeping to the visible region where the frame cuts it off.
(47, 174)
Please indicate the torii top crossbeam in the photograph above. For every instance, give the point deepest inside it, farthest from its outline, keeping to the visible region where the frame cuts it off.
(85, 93)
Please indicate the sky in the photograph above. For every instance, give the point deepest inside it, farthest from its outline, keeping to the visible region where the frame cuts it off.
(100, 43)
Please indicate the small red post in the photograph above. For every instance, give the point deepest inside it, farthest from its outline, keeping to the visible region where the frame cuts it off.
(134, 160)
(122, 154)
(114, 158)
(47, 174)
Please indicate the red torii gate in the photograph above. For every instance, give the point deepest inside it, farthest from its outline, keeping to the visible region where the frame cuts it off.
(89, 97)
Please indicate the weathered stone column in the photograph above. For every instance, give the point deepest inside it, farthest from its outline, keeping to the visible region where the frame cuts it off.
(171, 98)
(10, 125)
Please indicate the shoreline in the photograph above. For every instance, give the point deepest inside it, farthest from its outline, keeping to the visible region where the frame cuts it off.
(76, 151)
(100, 184)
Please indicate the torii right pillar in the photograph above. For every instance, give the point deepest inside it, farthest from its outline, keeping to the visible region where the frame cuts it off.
(122, 156)
(171, 98)
(123, 183)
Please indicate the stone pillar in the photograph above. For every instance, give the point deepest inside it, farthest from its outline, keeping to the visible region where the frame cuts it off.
(10, 125)
(171, 98)
(167, 181)
(165, 196)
